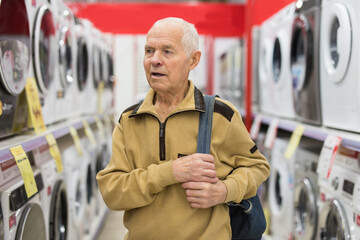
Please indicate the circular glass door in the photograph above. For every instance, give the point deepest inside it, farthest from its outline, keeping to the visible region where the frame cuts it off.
(301, 53)
(278, 190)
(96, 65)
(31, 223)
(276, 61)
(44, 48)
(337, 43)
(58, 223)
(66, 57)
(14, 45)
(82, 63)
(333, 221)
(306, 212)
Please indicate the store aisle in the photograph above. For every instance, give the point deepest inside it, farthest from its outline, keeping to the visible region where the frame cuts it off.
(113, 227)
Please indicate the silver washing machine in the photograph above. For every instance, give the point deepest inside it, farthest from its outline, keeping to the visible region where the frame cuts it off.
(304, 61)
(339, 181)
(14, 64)
(306, 190)
(23, 216)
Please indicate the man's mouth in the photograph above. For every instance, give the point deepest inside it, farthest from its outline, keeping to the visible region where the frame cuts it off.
(156, 74)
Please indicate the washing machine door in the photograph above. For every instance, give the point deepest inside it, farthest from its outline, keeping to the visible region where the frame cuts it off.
(337, 41)
(82, 63)
(276, 61)
(66, 57)
(32, 223)
(306, 211)
(44, 48)
(58, 222)
(279, 190)
(301, 57)
(333, 221)
(14, 46)
(96, 65)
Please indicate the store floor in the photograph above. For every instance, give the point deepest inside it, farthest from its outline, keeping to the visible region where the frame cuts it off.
(113, 227)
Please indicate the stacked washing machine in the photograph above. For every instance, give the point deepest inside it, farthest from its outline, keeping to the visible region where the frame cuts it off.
(15, 38)
(339, 71)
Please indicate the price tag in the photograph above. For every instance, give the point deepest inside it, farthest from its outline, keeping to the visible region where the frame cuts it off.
(89, 133)
(255, 127)
(54, 151)
(27, 173)
(76, 139)
(34, 107)
(100, 127)
(294, 141)
(100, 96)
(327, 155)
(271, 133)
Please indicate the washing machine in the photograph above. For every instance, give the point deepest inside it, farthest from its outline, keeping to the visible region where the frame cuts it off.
(65, 72)
(23, 216)
(44, 47)
(96, 64)
(339, 196)
(76, 190)
(339, 71)
(255, 34)
(266, 93)
(304, 61)
(15, 50)
(108, 72)
(306, 190)
(281, 87)
(54, 199)
(281, 191)
(91, 91)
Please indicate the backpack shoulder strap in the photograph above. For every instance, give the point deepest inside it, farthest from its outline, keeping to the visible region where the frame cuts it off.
(205, 125)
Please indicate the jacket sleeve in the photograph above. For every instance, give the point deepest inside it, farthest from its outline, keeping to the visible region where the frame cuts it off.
(250, 166)
(122, 186)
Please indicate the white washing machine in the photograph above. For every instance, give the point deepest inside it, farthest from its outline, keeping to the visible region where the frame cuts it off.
(281, 191)
(54, 199)
(339, 71)
(281, 87)
(306, 190)
(76, 191)
(44, 47)
(15, 50)
(266, 93)
(91, 91)
(65, 70)
(96, 63)
(23, 216)
(304, 61)
(339, 196)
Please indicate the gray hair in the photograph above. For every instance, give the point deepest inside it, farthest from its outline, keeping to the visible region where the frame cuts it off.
(190, 38)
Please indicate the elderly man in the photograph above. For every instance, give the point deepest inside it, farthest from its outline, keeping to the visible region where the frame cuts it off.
(169, 191)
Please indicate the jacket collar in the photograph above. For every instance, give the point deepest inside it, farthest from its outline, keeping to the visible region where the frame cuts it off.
(193, 101)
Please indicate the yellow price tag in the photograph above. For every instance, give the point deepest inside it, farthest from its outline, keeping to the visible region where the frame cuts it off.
(27, 173)
(76, 139)
(34, 106)
(100, 127)
(294, 141)
(54, 151)
(100, 96)
(89, 133)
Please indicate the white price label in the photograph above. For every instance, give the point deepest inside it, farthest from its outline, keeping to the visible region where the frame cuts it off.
(271, 133)
(327, 156)
(255, 127)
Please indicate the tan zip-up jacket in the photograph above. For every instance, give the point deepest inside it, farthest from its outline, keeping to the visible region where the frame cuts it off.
(139, 177)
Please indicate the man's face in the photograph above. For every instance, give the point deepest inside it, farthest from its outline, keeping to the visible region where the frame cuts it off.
(166, 64)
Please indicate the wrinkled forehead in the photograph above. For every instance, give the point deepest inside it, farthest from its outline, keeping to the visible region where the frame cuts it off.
(164, 33)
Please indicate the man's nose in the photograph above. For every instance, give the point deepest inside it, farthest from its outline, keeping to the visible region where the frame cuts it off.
(156, 59)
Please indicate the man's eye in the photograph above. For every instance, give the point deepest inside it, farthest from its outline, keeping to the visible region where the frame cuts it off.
(148, 51)
(167, 52)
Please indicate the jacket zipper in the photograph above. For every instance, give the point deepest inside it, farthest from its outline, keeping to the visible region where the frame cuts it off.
(162, 141)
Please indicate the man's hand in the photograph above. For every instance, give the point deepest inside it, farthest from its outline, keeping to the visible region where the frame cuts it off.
(196, 167)
(204, 194)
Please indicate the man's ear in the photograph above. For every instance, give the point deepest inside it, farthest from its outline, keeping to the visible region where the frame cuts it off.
(195, 59)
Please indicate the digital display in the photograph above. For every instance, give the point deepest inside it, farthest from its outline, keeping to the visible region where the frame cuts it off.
(348, 187)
